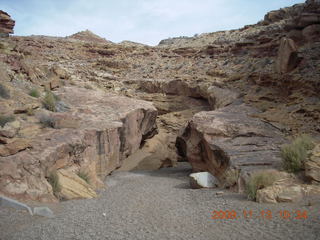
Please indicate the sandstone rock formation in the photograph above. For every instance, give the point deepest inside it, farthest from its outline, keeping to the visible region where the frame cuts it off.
(88, 36)
(288, 56)
(6, 24)
(110, 129)
(230, 138)
(312, 166)
(72, 186)
(286, 192)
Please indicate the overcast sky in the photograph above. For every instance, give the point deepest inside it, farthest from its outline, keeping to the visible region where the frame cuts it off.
(145, 21)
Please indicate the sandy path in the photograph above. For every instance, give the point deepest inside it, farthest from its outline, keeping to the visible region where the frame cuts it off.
(158, 205)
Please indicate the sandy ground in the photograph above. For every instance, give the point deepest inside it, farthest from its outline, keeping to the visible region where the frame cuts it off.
(160, 205)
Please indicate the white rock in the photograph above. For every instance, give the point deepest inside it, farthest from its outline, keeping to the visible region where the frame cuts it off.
(203, 180)
(43, 211)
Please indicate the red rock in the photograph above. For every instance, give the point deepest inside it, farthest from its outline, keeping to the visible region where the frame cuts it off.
(6, 24)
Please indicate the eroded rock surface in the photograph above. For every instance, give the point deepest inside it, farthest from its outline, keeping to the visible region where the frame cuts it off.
(110, 129)
(230, 138)
(6, 24)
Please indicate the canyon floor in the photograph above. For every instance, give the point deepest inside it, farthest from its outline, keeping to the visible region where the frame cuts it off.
(160, 205)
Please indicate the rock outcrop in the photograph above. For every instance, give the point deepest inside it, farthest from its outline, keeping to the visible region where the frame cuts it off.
(288, 58)
(88, 36)
(110, 128)
(6, 24)
(287, 192)
(230, 138)
(72, 186)
(312, 166)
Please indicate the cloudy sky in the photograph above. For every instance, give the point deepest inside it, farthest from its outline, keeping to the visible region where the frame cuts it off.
(145, 21)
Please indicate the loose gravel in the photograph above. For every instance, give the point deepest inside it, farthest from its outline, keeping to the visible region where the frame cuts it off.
(160, 205)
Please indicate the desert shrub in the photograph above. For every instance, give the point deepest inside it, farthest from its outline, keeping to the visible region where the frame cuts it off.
(50, 101)
(46, 120)
(4, 92)
(84, 175)
(53, 179)
(295, 154)
(6, 119)
(258, 181)
(34, 93)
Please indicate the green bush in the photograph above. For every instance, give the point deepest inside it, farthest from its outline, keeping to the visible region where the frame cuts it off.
(84, 176)
(295, 154)
(50, 101)
(6, 119)
(53, 179)
(34, 93)
(258, 181)
(4, 92)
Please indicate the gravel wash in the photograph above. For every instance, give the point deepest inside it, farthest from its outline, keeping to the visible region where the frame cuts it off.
(160, 205)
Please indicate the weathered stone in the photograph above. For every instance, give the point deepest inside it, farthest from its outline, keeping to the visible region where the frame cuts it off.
(203, 180)
(274, 16)
(229, 138)
(10, 129)
(111, 128)
(312, 166)
(60, 72)
(219, 97)
(288, 58)
(14, 147)
(312, 33)
(72, 186)
(286, 192)
(64, 120)
(6, 24)
(43, 212)
(54, 82)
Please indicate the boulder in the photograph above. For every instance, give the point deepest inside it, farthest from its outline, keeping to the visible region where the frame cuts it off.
(274, 16)
(203, 180)
(64, 120)
(10, 129)
(312, 166)
(14, 147)
(72, 186)
(220, 97)
(288, 58)
(6, 24)
(229, 138)
(43, 212)
(286, 192)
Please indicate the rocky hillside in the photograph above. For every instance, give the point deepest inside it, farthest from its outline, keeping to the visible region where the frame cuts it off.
(80, 107)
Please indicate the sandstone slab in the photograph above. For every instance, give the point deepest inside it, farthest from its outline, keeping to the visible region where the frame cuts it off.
(229, 138)
(72, 186)
(14, 147)
(110, 128)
